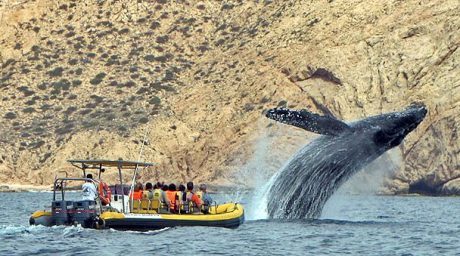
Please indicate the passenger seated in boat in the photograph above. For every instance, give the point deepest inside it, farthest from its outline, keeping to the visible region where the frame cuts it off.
(192, 198)
(137, 194)
(171, 195)
(165, 189)
(159, 193)
(155, 187)
(89, 191)
(158, 201)
(205, 198)
(148, 192)
(181, 200)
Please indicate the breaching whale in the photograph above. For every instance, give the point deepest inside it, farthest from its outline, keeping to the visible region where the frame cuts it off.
(302, 187)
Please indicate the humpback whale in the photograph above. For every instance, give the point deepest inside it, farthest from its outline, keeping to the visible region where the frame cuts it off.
(301, 188)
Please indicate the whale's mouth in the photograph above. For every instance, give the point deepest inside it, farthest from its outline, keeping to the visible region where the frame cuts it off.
(414, 115)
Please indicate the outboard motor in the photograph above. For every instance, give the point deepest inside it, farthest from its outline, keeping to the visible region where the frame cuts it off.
(61, 212)
(85, 213)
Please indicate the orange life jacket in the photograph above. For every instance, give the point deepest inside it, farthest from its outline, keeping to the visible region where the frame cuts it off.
(192, 197)
(105, 193)
(171, 195)
(199, 194)
(137, 195)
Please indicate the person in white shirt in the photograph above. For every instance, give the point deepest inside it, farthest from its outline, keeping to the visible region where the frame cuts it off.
(89, 191)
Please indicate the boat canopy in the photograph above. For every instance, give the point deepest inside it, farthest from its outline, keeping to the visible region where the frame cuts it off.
(110, 163)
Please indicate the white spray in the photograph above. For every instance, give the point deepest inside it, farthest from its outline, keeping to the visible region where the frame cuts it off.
(270, 154)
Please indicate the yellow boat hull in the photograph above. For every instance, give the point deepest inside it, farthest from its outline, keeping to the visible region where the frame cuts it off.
(226, 215)
(229, 215)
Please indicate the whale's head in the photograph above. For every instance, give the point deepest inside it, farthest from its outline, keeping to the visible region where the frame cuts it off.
(390, 129)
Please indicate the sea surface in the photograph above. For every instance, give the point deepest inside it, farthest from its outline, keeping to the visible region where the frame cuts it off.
(351, 225)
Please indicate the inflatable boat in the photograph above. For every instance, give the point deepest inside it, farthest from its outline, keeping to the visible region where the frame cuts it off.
(115, 209)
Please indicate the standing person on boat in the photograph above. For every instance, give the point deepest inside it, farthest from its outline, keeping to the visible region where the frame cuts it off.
(171, 195)
(191, 197)
(89, 191)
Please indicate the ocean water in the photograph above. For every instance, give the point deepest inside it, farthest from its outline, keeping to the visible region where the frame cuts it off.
(350, 225)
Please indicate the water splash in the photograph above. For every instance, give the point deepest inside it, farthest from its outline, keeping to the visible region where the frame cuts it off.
(257, 209)
(257, 175)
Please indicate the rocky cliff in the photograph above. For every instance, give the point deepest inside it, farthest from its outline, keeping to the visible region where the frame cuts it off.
(96, 79)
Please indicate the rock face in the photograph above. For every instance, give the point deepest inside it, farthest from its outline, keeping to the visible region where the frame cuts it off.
(92, 79)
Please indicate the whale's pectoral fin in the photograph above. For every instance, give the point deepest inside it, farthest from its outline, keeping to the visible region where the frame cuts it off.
(309, 121)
